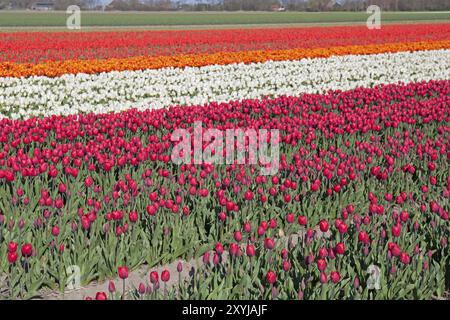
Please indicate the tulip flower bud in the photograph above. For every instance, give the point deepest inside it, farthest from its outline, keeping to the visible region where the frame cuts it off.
(269, 243)
(27, 250)
(366, 250)
(271, 277)
(356, 283)
(335, 276)
(101, 296)
(286, 265)
(149, 289)
(111, 287)
(12, 247)
(323, 225)
(123, 272)
(323, 278)
(219, 248)
(261, 231)
(154, 277)
(340, 248)
(323, 253)
(234, 248)
(141, 289)
(302, 220)
(55, 231)
(331, 253)
(206, 258)
(321, 264)
(284, 254)
(12, 257)
(250, 250)
(272, 224)
(274, 293)
(216, 259)
(180, 267)
(393, 270)
(290, 218)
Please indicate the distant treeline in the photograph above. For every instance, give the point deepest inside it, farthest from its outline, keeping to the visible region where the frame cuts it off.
(236, 5)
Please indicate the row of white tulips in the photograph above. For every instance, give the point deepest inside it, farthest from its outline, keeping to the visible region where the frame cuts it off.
(116, 91)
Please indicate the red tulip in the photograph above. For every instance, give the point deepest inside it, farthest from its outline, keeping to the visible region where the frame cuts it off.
(323, 252)
(302, 220)
(250, 250)
(323, 224)
(123, 272)
(396, 230)
(206, 257)
(321, 264)
(12, 257)
(216, 259)
(248, 195)
(363, 237)
(12, 247)
(269, 243)
(340, 248)
(55, 231)
(101, 296)
(286, 265)
(404, 258)
(261, 231)
(133, 216)
(335, 276)
(271, 277)
(111, 286)
(290, 218)
(219, 248)
(27, 250)
(88, 182)
(234, 249)
(165, 276)
(323, 277)
(154, 277)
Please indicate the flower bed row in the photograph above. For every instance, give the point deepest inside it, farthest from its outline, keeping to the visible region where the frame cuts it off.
(58, 68)
(36, 47)
(363, 174)
(117, 91)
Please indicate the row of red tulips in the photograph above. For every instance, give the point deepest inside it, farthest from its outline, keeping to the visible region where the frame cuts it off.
(36, 47)
(364, 173)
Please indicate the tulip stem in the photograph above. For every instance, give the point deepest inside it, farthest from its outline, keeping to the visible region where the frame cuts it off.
(123, 290)
(179, 284)
(11, 283)
(165, 290)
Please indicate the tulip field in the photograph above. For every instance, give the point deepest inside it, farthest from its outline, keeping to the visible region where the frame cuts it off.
(358, 207)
